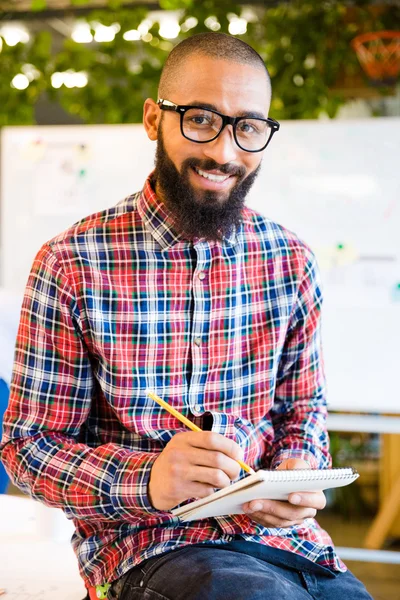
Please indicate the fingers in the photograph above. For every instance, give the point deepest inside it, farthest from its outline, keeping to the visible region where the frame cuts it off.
(191, 465)
(185, 464)
(209, 476)
(216, 460)
(197, 482)
(207, 449)
(275, 522)
(277, 514)
(215, 441)
(199, 490)
(315, 500)
(181, 459)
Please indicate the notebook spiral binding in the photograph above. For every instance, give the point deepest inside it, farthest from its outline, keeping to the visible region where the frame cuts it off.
(310, 474)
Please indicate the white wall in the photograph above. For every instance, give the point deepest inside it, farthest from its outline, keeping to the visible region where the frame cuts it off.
(335, 183)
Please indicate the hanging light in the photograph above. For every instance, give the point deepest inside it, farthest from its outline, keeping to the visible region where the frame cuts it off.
(237, 25)
(212, 23)
(30, 71)
(189, 24)
(81, 79)
(57, 79)
(104, 34)
(20, 82)
(145, 26)
(132, 35)
(169, 27)
(69, 78)
(81, 33)
(13, 34)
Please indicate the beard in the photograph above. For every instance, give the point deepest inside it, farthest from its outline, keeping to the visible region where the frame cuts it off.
(200, 213)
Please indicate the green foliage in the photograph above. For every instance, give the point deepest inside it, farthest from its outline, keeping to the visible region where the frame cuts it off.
(175, 4)
(352, 450)
(17, 106)
(38, 5)
(305, 45)
(78, 2)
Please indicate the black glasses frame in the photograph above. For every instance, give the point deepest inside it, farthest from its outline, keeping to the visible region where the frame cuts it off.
(226, 120)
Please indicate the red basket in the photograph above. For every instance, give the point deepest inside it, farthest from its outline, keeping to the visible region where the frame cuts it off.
(379, 55)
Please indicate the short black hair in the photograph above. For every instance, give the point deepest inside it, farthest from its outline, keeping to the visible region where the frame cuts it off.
(214, 45)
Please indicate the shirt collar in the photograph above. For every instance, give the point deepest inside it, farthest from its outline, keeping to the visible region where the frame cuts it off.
(159, 221)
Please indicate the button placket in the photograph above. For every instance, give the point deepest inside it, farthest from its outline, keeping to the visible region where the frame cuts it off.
(201, 275)
(199, 328)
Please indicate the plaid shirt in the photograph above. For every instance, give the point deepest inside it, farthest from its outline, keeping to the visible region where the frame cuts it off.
(121, 303)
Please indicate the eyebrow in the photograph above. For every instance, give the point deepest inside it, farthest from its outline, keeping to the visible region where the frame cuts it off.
(249, 114)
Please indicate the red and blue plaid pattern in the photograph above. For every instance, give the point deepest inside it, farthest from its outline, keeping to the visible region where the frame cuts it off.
(120, 304)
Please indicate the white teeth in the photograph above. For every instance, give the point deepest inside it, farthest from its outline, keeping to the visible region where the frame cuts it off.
(211, 176)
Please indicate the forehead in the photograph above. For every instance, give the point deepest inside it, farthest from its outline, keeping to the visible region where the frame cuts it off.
(232, 87)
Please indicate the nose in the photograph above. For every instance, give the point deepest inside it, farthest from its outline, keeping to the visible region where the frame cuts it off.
(224, 148)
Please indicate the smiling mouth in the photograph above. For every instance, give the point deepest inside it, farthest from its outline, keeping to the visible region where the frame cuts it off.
(212, 176)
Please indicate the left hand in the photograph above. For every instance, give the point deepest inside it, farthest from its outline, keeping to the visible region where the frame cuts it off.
(300, 505)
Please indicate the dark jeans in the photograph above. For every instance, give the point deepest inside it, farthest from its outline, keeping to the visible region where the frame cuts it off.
(236, 571)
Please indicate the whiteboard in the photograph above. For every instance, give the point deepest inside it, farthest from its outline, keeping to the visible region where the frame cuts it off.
(335, 183)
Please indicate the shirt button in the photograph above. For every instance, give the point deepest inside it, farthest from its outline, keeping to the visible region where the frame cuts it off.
(197, 341)
(197, 407)
(202, 275)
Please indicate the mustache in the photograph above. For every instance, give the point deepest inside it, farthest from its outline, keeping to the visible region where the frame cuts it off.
(210, 164)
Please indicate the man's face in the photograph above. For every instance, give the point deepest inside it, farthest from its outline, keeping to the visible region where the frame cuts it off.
(202, 207)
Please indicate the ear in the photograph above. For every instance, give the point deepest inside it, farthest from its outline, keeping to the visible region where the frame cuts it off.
(151, 118)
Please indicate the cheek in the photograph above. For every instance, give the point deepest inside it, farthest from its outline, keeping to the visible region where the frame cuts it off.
(252, 162)
(179, 149)
(183, 151)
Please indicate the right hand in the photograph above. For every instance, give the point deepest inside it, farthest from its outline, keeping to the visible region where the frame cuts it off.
(191, 465)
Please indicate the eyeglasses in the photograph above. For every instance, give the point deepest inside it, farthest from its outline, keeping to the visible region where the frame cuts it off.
(202, 125)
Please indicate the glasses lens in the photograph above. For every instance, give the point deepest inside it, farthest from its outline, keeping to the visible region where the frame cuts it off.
(253, 134)
(201, 125)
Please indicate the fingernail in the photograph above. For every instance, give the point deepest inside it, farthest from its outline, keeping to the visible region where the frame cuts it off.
(296, 499)
(255, 507)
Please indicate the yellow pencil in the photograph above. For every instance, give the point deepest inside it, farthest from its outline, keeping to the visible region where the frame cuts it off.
(189, 424)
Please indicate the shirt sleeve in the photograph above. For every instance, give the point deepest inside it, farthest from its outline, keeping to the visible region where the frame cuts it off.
(299, 410)
(50, 398)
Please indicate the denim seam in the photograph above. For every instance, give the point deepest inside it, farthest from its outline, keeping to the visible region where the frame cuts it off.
(286, 563)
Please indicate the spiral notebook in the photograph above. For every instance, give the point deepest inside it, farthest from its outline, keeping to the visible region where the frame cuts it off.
(272, 485)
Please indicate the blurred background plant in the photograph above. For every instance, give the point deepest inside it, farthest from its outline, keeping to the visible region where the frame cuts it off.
(360, 451)
(101, 64)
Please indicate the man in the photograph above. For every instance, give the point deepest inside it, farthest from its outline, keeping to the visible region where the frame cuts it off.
(182, 290)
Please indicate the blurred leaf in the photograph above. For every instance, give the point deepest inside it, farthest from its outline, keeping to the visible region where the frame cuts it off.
(175, 4)
(38, 5)
(115, 4)
(42, 46)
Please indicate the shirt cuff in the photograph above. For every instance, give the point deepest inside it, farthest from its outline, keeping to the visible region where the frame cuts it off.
(129, 489)
(295, 453)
